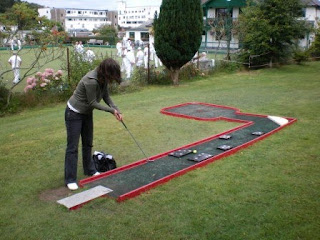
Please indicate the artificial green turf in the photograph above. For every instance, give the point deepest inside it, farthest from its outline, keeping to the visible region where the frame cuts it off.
(267, 191)
(132, 179)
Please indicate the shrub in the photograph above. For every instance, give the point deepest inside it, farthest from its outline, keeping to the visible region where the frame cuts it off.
(300, 56)
(78, 68)
(314, 50)
(46, 81)
(156, 77)
(161, 76)
(227, 66)
(3, 96)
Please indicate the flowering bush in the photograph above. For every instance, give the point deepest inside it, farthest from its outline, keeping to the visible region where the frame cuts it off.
(48, 80)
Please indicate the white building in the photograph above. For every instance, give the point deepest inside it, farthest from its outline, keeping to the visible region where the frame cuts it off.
(130, 17)
(312, 15)
(45, 12)
(75, 18)
(139, 34)
(85, 19)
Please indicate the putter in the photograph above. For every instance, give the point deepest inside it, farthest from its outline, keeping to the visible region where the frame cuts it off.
(148, 160)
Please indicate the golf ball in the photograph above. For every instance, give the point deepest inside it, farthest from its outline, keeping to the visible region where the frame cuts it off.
(194, 151)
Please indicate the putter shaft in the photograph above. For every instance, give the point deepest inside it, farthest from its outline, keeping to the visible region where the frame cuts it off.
(135, 141)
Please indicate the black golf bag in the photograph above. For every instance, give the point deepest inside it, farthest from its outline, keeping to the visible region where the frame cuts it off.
(103, 162)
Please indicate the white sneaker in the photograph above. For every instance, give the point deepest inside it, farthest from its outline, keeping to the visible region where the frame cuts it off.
(96, 174)
(72, 186)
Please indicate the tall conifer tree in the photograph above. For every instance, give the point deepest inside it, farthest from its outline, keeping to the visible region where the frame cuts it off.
(177, 33)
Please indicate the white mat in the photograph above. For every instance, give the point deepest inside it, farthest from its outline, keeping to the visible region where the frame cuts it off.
(278, 120)
(83, 197)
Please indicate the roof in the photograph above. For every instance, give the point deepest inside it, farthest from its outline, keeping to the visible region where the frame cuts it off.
(213, 2)
(311, 2)
(143, 27)
(223, 3)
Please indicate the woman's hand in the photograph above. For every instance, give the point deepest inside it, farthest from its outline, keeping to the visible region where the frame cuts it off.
(117, 115)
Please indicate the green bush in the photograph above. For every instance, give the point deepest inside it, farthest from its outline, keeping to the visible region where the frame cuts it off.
(78, 68)
(3, 96)
(300, 56)
(156, 77)
(188, 72)
(227, 66)
(314, 50)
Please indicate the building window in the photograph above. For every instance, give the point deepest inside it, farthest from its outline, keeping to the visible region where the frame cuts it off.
(144, 36)
(303, 12)
(131, 35)
(223, 12)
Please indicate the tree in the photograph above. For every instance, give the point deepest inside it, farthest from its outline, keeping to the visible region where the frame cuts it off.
(6, 4)
(109, 32)
(22, 15)
(270, 29)
(177, 33)
(315, 47)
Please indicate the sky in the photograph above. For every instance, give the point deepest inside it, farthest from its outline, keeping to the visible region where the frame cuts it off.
(94, 4)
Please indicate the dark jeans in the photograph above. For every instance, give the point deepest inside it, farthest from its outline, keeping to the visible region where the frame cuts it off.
(78, 124)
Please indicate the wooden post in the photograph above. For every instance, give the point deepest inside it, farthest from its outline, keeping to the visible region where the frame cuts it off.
(148, 64)
(68, 64)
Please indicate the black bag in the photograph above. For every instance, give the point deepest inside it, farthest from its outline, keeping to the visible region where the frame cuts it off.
(103, 162)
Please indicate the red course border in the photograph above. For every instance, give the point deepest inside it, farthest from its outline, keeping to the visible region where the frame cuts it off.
(142, 189)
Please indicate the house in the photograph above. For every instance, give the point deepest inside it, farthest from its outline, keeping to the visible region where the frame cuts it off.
(311, 13)
(219, 18)
(139, 34)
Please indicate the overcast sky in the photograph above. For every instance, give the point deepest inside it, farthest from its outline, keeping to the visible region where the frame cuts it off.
(94, 4)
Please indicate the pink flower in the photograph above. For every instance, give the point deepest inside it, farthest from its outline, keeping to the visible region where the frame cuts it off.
(49, 70)
(38, 74)
(29, 80)
(43, 84)
(27, 88)
(59, 72)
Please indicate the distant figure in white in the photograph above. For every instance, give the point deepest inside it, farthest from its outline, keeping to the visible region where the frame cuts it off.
(146, 56)
(202, 58)
(15, 62)
(139, 57)
(19, 44)
(129, 62)
(12, 43)
(79, 47)
(119, 48)
(90, 56)
(157, 61)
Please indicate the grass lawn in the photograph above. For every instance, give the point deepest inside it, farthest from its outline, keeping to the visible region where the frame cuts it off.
(28, 57)
(267, 191)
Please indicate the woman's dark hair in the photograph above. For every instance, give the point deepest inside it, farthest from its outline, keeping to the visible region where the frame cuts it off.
(109, 70)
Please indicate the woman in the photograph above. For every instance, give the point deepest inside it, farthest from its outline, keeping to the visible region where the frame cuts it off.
(78, 117)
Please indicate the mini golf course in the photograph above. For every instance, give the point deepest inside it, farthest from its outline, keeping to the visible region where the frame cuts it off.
(129, 181)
